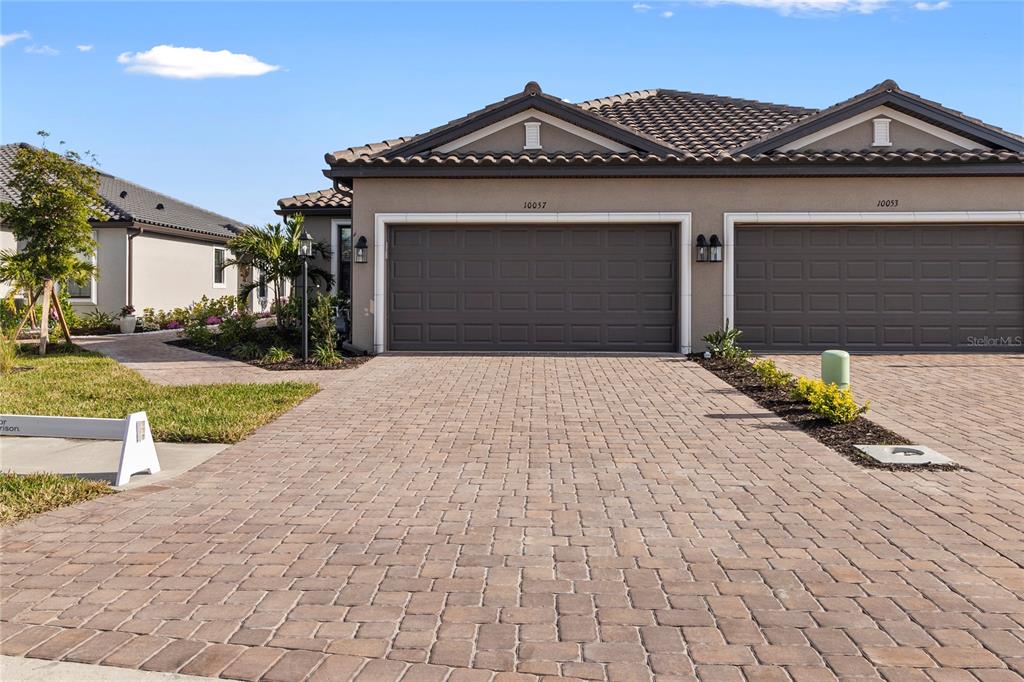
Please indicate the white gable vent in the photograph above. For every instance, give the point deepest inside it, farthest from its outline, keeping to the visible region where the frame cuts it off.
(881, 128)
(532, 135)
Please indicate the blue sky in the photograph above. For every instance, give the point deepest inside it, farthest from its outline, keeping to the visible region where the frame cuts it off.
(350, 73)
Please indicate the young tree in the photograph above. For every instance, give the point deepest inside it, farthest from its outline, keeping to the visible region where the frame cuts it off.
(54, 197)
(274, 251)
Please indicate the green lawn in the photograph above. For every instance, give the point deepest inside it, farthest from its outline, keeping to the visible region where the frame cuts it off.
(78, 383)
(22, 496)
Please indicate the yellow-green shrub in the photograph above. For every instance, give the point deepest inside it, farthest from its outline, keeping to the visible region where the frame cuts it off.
(770, 374)
(828, 400)
(802, 388)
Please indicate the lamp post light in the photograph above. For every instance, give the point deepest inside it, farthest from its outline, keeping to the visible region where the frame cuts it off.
(306, 251)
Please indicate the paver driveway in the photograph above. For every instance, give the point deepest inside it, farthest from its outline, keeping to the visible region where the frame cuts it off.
(479, 517)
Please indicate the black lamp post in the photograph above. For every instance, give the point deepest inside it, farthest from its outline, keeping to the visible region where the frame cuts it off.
(306, 252)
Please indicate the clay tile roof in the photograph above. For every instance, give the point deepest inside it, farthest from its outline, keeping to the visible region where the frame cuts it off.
(886, 86)
(126, 201)
(694, 122)
(325, 198)
(687, 128)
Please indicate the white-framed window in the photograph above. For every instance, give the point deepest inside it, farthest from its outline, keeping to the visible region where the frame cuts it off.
(220, 256)
(85, 293)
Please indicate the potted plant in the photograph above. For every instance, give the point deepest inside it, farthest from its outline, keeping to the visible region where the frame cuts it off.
(128, 320)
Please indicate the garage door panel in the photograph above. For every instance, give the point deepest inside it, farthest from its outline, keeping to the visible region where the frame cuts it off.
(892, 288)
(533, 287)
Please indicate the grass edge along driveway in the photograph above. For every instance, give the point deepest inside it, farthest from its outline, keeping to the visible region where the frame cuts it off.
(78, 383)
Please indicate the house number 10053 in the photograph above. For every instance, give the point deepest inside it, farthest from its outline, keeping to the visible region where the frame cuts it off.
(535, 204)
(888, 203)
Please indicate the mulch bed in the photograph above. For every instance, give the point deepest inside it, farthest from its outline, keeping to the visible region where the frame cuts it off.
(347, 361)
(839, 437)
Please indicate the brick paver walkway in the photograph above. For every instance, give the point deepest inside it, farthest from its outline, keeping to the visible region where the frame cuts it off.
(477, 518)
(150, 356)
(970, 407)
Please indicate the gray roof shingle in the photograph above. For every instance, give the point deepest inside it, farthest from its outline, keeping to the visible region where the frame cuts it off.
(126, 201)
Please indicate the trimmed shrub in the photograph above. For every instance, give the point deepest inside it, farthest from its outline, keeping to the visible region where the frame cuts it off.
(197, 332)
(237, 328)
(770, 374)
(835, 404)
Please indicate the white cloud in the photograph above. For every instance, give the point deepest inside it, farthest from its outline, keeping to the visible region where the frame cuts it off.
(44, 50)
(6, 38)
(641, 7)
(789, 7)
(931, 6)
(667, 14)
(84, 48)
(193, 63)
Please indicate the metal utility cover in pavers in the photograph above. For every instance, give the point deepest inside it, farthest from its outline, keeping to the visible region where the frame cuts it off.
(489, 515)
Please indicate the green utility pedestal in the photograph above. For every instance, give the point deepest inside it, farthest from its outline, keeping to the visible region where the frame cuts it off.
(835, 368)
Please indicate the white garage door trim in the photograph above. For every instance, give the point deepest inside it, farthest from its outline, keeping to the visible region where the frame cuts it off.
(381, 221)
(838, 218)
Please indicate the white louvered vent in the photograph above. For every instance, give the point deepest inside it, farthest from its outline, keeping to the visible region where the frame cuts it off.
(532, 135)
(881, 128)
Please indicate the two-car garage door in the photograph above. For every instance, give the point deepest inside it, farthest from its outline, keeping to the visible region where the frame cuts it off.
(880, 288)
(533, 287)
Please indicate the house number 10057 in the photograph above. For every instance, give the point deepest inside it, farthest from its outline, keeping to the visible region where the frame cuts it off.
(535, 204)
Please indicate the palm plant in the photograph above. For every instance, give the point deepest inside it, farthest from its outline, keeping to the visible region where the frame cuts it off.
(274, 251)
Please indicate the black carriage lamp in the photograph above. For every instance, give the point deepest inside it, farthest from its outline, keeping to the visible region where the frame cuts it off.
(714, 250)
(702, 249)
(360, 250)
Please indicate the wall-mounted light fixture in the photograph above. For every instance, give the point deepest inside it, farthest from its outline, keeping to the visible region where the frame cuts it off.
(709, 251)
(359, 253)
(714, 250)
(702, 249)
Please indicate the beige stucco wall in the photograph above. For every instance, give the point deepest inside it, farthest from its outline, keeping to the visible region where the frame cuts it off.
(901, 135)
(110, 289)
(512, 138)
(170, 273)
(706, 199)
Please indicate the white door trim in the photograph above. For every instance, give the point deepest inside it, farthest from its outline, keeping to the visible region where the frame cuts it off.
(381, 221)
(868, 217)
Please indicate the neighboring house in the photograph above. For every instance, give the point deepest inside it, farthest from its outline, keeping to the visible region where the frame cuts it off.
(883, 223)
(154, 251)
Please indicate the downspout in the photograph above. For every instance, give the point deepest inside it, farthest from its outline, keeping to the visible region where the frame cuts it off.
(132, 234)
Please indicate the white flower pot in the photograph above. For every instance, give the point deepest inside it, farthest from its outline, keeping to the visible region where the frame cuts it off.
(128, 324)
